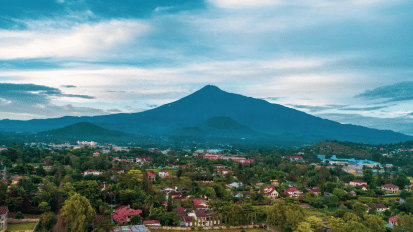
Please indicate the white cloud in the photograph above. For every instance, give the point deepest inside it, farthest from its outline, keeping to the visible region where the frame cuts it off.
(85, 40)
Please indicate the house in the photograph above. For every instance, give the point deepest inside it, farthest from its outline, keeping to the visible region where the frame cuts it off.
(124, 214)
(357, 183)
(274, 182)
(240, 194)
(185, 220)
(4, 210)
(151, 176)
(218, 166)
(380, 207)
(225, 171)
(270, 191)
(104, 186)
(91, 172)
(163, 173)
(96, 154)
(293, 192)
(393, 220)
(152, 223)
(390, 188)
(204, 219)
(315, 191)
(296, 158)
(200, 204)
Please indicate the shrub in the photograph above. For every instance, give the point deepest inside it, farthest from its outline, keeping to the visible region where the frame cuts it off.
(19, 215)
(192, 227)
(199, 228)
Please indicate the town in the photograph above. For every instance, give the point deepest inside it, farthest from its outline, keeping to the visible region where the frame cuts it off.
(328, 186)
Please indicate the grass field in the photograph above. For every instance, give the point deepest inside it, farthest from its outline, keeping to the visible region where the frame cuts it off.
(223, 229)
(20, 226)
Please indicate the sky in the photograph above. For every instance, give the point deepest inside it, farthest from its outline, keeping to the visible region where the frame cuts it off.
(346, 60)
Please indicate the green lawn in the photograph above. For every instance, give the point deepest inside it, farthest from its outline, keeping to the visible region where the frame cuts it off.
(20, 226)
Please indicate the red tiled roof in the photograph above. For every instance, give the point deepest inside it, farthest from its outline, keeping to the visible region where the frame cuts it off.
(315, 190)
(151, 222)
(357, 181)
(150, 174)
(390, 186)
(122, 212)
(3, 210)
(393, 219)
(379, 206)
(179, 210)
(291, 190)
(200, 213)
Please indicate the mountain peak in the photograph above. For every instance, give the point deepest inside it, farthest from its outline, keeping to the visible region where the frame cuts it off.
(209, 88)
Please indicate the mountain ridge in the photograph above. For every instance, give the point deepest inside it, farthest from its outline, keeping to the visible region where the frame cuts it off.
(209, 102)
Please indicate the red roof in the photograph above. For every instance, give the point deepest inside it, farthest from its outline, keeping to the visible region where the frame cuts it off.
(358, 181)
(151, 222)
(390, 186)
(150, 174)
(91, 171)
(3, 210)
(291, 190)
(315, 190)
(379, 206)
(121, 213)
(179, 210)
(200, 213)
(393, 219)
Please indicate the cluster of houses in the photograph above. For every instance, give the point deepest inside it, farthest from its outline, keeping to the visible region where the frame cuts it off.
(237, 158)
(352, 165)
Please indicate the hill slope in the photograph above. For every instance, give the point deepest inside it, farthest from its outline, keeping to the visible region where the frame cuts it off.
(84, 130)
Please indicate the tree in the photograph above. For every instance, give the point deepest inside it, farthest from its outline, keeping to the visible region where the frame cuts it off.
(304, 227)
(315, 223)
(136, 220)
(19, 215)
(404, 222)
(375, 223)
(78, 213)
(285, 216)
(48, 221)
(405, 194)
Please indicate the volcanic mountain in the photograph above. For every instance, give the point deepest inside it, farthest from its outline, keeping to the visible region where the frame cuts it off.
(211, 107)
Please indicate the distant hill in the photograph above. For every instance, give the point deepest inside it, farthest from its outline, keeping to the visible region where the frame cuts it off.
(84, 131)
(211, 112)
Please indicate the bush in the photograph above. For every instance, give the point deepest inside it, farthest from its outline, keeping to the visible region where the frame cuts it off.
(192, 227)
(19, 215)
(220, 227)
(199, 228)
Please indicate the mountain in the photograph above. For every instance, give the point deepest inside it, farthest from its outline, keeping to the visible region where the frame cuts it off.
(84, 131)
(219, 127)
(211, 107)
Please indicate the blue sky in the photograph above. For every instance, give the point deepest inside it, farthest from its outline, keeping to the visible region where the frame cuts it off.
(348, 60)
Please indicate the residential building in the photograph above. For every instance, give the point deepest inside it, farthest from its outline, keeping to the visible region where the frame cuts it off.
(4, 210)
(357, 183)
(203, 218)
(270, 191)
(293, 192)
(163, 173)
(151, 176)
(91, 172)
(315, 191)
(124, 214)
(380, 207)
(152, 223)
(390, 188)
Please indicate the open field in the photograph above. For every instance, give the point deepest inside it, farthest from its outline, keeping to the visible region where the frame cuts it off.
(20, 226)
